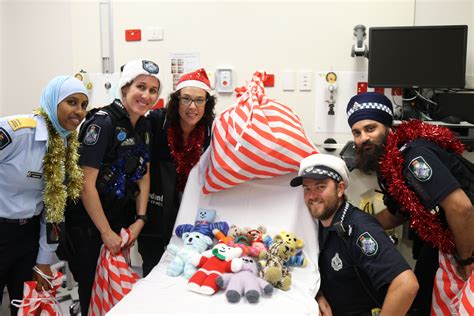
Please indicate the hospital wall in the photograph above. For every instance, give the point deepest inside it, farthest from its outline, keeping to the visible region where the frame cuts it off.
(41, 39)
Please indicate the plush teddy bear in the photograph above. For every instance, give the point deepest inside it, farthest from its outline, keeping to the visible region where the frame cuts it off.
(255, 237)
(194, 243)
(236, 238)
(204, 223)
(273, 267)
(212, 263)
(245, 282)
(232, 234)
(298, 259)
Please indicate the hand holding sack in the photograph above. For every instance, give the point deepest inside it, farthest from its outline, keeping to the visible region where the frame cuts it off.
(114, 278)
(42, 303)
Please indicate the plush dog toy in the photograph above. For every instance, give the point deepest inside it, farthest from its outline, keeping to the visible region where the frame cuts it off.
(212, 263)
(204, 224)
(273, 267)
(245, 282)
(194, 244)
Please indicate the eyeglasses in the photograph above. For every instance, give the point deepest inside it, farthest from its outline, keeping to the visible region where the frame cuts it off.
(199, 102)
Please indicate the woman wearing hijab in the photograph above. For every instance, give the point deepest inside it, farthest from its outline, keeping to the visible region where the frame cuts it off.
(181, 133)
(38, 172)
(115, 159)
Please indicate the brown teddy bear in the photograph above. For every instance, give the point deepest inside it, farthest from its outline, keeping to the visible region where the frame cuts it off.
(273, 267)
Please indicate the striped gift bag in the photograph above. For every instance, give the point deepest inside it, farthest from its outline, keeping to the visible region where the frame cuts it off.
(451, 294)
(255, 138)
(40, 303)
(113, 278)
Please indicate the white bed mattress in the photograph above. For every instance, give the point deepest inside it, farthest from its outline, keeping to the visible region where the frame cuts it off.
(270, 202)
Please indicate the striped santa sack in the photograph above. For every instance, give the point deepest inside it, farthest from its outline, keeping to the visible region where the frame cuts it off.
(257, 137)
(451, 294)
(114, 278)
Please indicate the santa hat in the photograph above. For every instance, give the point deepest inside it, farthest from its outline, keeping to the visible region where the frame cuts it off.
(370, 106)
(135, 68)
(197, 79)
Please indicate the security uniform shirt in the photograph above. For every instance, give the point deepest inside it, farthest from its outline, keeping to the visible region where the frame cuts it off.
(432, 172)
(101, 142)
(23, 144)
(361, 262)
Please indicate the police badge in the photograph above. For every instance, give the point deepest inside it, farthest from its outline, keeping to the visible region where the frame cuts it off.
(420, 169)
(336, 262)
(92, 134)
(150, 67)
(367, 244)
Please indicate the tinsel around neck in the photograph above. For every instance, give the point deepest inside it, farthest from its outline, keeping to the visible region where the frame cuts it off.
(423, 221)
(62, 175)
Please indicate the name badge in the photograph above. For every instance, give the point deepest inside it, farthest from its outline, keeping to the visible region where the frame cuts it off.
(35, 175)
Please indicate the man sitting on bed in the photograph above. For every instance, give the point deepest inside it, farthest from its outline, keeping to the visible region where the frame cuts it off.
(362, 273)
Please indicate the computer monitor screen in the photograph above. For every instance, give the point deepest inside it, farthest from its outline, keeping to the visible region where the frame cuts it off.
(418, 56)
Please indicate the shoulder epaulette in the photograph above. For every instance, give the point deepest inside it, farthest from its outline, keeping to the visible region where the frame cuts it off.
(22, 122)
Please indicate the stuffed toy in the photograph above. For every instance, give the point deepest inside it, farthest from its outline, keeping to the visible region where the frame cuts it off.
(245, 282)
(298, 260)
(255, 237)
(204, 223)
(232, 234)
(212, 263)
(273, 267)
(236, 238)
(194, 244)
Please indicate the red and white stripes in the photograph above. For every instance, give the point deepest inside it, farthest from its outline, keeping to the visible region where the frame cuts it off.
(255, 138)
(451, 294)
(113, 278)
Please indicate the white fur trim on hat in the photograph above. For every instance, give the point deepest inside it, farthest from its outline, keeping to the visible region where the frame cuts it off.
(194, 83)
(136, 68)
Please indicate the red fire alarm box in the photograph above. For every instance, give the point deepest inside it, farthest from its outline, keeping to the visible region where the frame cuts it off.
(133, 35)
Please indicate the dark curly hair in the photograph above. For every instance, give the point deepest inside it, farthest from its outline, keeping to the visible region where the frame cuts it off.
(173, 106)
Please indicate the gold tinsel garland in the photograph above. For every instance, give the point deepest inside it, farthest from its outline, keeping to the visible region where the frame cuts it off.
(59, 162)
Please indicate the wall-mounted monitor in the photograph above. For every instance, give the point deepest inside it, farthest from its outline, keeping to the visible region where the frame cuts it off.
(418, 56)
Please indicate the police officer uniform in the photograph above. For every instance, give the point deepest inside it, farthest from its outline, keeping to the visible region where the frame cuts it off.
(357, 262)
(432, 173)
(164, 198)
(120, 151)
(23, 143)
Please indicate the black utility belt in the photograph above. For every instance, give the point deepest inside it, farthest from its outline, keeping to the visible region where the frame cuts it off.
(17, 221)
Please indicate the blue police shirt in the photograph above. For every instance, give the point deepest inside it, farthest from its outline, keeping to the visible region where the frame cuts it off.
(22, 148)
(365, 254)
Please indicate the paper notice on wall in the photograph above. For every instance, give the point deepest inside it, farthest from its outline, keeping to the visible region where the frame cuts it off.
(182, 63)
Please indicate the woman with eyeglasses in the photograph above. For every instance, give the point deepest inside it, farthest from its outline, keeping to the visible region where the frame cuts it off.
(181, 132)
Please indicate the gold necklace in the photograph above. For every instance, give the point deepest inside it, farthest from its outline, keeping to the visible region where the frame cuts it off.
(62, 176)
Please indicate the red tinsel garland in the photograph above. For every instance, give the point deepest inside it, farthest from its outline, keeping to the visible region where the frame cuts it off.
(185, 155)
(427, 224)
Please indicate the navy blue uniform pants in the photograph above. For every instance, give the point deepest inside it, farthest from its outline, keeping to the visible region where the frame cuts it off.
(18, 251)
(151, 249)
(87, 243)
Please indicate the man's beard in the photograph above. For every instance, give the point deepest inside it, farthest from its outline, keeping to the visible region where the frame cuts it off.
(367, 161)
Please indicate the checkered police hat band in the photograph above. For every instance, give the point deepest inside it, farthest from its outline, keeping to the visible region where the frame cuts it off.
(369, 106)
(328, 173)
